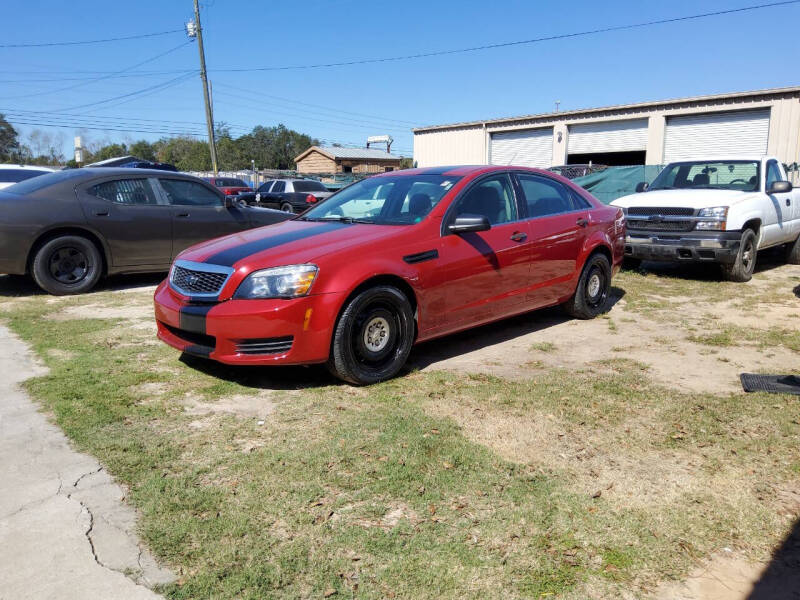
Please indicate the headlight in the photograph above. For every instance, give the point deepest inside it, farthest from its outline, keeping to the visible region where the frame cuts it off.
(718, 213)
(279, 282)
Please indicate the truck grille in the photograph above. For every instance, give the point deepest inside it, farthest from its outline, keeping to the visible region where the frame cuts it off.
(198, 280)
(670, 211)
(660, 225)
(278, 345)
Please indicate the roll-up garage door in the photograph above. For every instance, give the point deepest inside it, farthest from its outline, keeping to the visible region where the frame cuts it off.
(610, 136)
(719, 134)
(524, 148)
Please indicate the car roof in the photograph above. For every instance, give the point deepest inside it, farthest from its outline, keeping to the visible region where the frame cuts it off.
(104, 171)
(460, 170)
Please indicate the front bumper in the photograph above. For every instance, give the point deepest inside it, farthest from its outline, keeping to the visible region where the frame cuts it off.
(692, 246)
(254, 332)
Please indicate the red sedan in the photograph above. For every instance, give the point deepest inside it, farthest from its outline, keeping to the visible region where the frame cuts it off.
(392, 260)
(229, 186)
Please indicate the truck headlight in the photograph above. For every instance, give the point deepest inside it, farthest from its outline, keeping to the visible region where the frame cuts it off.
(290, 281)
(719, 214)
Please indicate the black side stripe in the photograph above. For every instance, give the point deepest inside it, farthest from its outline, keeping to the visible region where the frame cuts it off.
(421, 256)
(193, 317)
(233, 255)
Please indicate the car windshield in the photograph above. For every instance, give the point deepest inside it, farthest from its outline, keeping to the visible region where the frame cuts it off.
(739, 175)
(34, 184)
(391, 200)
(309, 186)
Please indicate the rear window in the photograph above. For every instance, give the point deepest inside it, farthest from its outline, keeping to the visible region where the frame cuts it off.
(34, 184)
(309, 186)
(227, 182)
(17, 175)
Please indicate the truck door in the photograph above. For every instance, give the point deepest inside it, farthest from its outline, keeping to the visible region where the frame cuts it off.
(786, 227)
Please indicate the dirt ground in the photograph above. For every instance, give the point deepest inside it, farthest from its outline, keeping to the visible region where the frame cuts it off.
(688, 331)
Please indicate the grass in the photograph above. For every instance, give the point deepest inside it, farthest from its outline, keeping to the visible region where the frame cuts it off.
(433, 485)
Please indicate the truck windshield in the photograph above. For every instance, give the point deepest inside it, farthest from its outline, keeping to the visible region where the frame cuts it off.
(739, 175)
(384, 200)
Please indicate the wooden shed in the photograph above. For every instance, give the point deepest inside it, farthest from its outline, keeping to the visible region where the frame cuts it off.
(335, 159)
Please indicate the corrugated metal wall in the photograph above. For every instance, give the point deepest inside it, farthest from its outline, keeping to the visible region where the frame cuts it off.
(463, 146)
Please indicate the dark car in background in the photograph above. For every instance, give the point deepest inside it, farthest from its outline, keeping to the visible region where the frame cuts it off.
(289, 195)
(67, 229)
(230, 186)
(11, 174)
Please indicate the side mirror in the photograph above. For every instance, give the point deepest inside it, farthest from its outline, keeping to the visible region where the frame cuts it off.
(642, 187)
(229, 202)
(467, 223)
(780, 187)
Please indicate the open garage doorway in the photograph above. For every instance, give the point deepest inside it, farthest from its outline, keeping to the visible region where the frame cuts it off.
(609, 159)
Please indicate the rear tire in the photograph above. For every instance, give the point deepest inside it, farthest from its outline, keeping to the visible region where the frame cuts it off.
(373, 336)
(591, 295)
(66, 265)
(742, 268)
(287, 208)
(793, 252)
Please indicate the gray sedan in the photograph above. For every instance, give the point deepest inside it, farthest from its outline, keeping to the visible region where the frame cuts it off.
(67, 229)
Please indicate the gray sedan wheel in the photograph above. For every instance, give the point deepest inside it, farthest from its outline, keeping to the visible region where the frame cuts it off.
(65, 265)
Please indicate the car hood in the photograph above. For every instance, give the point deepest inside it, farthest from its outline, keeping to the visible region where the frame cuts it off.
(684, 198)
(287, 243)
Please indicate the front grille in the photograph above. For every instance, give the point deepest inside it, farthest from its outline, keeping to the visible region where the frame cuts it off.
(199, 280)
(661, 225)
(196, 339)
(660, 210)
(277, 345)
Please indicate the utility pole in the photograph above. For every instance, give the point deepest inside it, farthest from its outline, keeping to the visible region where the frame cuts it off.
(195, 30)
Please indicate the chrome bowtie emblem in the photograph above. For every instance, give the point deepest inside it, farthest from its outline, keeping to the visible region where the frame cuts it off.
(192, 279)
(656, 218)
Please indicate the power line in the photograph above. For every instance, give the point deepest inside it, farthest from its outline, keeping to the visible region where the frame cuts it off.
(320, 106)
(364, 61)
(101, 78)
(106, 128)
(85, 42)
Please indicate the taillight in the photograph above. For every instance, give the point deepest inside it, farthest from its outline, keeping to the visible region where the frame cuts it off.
(311, 199)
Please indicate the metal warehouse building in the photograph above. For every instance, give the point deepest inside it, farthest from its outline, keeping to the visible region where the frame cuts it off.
(759, 122)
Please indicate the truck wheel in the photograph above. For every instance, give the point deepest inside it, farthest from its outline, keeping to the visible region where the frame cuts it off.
(741, 269)
(591, 294)
(286, 207)
(793, 252)
(69, 264)
(373, 336)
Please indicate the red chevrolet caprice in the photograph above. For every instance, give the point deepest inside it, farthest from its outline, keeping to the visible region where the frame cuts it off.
(389, 261)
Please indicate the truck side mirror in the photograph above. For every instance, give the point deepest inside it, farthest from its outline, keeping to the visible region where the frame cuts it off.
(780, 187)
(641, 187)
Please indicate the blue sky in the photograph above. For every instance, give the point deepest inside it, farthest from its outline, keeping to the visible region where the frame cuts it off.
(727, 53)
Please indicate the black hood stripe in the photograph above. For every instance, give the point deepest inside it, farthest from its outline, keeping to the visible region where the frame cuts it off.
(231, 256)
(193, 317)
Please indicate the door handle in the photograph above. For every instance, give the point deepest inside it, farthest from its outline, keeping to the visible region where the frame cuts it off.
(184, 215)
(519, 236)
(582, 222)
(101, 213)
(788, 202)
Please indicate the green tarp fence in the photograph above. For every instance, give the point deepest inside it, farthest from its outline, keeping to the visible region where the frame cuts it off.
(615, 182)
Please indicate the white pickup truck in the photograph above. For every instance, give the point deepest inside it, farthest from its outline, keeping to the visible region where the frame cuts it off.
(714, 210)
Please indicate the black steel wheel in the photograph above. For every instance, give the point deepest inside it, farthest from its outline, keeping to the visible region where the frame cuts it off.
(591, 294)
(741, 269)
(373, 336)
(68, 264)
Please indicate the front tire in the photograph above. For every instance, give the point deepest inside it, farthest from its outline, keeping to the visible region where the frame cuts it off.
(66, 265)
(742, 268)
(373, 336)
(591, 295)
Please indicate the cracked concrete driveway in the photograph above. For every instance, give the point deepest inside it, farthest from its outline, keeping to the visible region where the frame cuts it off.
(64, 530)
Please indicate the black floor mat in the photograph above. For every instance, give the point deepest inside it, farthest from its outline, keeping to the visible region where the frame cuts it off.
(774, 384)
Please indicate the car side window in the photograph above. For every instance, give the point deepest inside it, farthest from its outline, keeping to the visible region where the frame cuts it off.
(545, 197)
(491, 197)
(578, 201)
(264, 187)
(189, 193)
(125, 191)
(773, 173)
(278, 187)
(17, 175)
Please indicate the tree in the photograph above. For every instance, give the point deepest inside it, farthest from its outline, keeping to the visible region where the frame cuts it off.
(143, 149)
(109, 151)
(10, 150)
(186, 153)
(274, 147)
